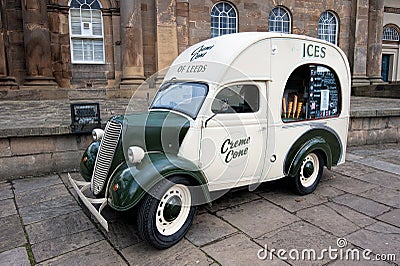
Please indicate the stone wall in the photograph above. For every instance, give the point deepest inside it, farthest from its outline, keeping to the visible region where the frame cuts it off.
(32, 156)
(374, 130)
(144, 36)
(378, 91)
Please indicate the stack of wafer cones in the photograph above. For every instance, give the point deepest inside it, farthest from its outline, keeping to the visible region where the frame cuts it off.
(292, 109)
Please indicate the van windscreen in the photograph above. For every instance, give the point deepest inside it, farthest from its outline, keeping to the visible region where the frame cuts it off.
(184, 97)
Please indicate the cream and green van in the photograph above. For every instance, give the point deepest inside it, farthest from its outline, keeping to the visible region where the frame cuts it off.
(232, 111)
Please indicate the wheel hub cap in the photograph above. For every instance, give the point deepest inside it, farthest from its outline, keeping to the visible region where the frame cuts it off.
(172, 208)
(308, 169)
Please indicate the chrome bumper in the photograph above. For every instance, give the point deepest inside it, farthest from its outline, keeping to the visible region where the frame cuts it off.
(80, 187)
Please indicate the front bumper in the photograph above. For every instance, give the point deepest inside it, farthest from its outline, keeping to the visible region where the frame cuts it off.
(80, 187)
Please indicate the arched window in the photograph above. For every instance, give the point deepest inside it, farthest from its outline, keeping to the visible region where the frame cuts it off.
(279, 20)
(86, 31)
(328, 27)
(390, 33)
(223, 19)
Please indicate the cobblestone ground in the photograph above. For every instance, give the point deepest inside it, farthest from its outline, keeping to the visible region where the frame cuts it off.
(41, 222)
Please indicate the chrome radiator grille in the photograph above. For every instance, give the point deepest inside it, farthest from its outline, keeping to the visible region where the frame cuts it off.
(105, 155)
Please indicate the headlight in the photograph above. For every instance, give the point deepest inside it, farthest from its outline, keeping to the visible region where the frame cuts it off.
(97, 134)
(135, 154)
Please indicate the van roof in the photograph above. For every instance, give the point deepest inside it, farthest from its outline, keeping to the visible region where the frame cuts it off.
(247, 52)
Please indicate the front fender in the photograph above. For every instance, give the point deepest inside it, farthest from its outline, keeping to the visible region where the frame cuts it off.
(88, 160)
(314, 144)
(134, 181)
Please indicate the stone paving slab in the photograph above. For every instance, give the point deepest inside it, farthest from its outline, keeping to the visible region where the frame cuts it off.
(232, 199)
(325, 190)
(27, 184)
(16, 256)
(6, 191)
(293, 203)
(392, 217)
(207, 228)
(61, 245)
(363, 205)
(390, 197)
(299, 236)
(7, 207)
(48, 209)
(359, 219)
(350, 185)
(379, 164)
(257, 217)
(183, 253)
(99, 253)
(382, 179)
(329, 220)
(12, 234)
(379, 237)
(122, 232)
(59, 226)
(239, 250)
(353, 169)
(48, 193)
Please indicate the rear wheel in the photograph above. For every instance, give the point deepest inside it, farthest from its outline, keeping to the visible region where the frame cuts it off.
(164, 218)
(309, 174)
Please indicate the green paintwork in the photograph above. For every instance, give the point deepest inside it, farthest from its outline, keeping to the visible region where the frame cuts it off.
(87, 165)
(161, 131)
(154, 131)
(134, 181)
(322, 139)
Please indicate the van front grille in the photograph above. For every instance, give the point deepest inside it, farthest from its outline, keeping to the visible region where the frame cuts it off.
(105, 156)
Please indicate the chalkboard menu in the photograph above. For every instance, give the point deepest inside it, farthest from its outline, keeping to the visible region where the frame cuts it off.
(323, 97)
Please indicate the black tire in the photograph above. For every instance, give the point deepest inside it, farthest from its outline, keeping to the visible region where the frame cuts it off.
(161, 222)
(309, 174)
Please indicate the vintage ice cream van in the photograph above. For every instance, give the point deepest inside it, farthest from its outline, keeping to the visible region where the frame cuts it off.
(232, 111)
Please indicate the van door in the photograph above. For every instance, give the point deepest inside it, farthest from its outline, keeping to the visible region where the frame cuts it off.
(234, 141)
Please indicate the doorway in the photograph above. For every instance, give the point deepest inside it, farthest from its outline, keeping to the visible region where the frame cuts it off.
(385, 67)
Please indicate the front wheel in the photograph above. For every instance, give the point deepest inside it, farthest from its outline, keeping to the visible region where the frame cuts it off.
(166, 214)
(309, 174)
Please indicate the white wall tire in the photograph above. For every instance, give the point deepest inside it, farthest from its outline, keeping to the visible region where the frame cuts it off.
(309, 174)
(164, 219)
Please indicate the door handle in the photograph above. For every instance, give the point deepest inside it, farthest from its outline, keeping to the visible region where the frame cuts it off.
(263, 129)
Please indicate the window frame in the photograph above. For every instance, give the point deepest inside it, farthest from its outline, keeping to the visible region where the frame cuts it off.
(82, 37)
(218, 17)
(282, 22)
(394, 29)
(327, 26)
(229, 87)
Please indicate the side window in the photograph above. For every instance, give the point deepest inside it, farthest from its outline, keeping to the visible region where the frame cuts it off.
(311, 92)
(237, 99)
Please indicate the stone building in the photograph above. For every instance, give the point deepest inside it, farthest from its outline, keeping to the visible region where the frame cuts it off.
(63, 45)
